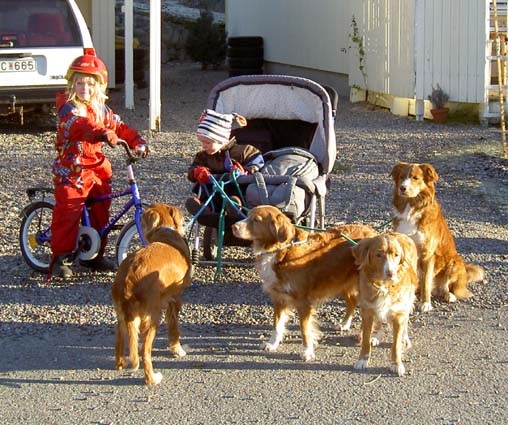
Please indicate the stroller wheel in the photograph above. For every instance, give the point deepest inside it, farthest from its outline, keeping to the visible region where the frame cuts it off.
(210, 244)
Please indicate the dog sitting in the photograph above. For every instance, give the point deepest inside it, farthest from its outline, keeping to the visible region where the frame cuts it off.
(442, 271)
(388, 282)
(148, 281)
(300, 270)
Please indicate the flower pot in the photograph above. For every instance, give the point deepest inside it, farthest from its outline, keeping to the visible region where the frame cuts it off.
(439, 115)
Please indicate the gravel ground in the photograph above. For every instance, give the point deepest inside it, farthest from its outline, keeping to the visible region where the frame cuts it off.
(57, 340)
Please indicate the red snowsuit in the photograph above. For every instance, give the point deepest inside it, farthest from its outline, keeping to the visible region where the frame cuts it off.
(81, 170)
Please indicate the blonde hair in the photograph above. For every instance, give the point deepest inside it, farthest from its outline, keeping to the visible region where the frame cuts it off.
(98, 98)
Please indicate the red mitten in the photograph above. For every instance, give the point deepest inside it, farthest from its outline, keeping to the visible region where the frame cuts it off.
(238, 169)
(110, 137)
(142, 150)
(202, 175)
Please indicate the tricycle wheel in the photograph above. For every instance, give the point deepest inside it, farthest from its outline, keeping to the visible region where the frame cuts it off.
(210, 247)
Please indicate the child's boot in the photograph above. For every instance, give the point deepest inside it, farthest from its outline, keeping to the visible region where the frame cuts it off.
(99, 264)
(61, 266)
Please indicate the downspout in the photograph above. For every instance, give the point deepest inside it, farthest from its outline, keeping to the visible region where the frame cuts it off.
(155, 65)
(419, 48)
(129, 54)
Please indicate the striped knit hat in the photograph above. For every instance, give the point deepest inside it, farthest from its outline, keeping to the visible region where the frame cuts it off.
(218, 126)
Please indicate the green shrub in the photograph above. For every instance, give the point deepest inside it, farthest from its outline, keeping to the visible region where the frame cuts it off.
(206, 43)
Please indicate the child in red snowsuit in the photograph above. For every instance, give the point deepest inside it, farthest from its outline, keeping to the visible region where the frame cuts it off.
(81, 169)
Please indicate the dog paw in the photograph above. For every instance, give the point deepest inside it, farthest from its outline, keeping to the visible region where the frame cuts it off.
(178, 351)
(374, 341)
(398, 368)
(155, 379)
(120, 364)
(269, 347)
(426, 307)
(344, 326)
(308, 355)
(361, 364)
(450, 297)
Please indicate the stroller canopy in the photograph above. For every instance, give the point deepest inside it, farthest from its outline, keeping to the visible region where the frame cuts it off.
(281, 97)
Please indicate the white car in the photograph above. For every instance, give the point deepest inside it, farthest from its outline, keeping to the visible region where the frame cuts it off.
(38, 41)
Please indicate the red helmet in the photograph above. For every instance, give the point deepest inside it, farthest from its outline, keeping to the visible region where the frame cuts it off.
(89, 64)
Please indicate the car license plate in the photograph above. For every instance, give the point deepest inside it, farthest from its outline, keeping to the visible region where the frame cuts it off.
(18, 65)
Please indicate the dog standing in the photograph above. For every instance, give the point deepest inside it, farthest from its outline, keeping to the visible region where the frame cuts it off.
(149, 281)
(388, 282)
(300, 270)
(418, 214)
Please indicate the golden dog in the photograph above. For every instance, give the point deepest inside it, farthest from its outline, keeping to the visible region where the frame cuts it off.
(418, 214)
(300, 270)
(388, 282)
(148, 281)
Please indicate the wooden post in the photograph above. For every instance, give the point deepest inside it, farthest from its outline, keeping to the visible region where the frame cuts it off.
(502, 79)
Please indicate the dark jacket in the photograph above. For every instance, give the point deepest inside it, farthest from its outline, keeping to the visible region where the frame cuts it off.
(221, 162)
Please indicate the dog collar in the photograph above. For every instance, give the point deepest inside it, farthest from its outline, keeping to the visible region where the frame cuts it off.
(280, 248)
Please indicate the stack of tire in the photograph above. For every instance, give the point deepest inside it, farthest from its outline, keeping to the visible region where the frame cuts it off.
(139, 56)
(245, 55)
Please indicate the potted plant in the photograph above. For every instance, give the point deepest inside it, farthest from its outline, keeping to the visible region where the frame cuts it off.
(438, 98)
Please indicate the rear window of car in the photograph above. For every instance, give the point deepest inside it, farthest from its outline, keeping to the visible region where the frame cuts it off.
(37, 23)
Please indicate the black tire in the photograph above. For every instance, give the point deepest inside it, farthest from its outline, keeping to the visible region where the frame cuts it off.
(210, 247)
(35, 234)
(245, 71)
(245, 41)
(241, 63)
(245, 52)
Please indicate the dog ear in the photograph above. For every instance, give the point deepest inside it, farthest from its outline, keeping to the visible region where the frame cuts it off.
(176, 215)
(429, 173)
(409, 252)
(361, 252)
(282, 228)
(150, 219)
(396, 170)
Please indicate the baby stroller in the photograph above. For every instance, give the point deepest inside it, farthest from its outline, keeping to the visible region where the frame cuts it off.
(286, 116)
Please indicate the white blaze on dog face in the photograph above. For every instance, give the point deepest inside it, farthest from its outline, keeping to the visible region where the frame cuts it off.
(239, 229)
(411, 179)
(411, 182)
(392, 259)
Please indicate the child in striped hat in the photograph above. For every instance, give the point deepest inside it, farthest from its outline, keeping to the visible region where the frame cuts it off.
(220, 154)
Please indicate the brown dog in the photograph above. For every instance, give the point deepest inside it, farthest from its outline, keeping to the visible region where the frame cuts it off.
(418, 214)
(388, 282)
(300, 270)
(148, 281)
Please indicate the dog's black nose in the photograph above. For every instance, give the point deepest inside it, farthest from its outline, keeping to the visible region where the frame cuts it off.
(403, 189)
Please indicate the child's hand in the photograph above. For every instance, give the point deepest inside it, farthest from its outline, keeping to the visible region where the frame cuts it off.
(142, 150)
(238, 170)
(110, 137)
(202, 175)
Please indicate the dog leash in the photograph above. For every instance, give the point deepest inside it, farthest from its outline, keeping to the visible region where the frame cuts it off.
(319, 229)
(280, 248)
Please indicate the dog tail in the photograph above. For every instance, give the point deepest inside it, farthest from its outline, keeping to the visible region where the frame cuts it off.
(474, 273)
(461, 291)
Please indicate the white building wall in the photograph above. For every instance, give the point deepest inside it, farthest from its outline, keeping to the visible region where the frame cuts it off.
(316, 35)
(103, 33)
(455, 45)
(303, 33)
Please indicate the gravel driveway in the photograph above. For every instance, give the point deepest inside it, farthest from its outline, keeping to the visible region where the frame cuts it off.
(57, 340)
